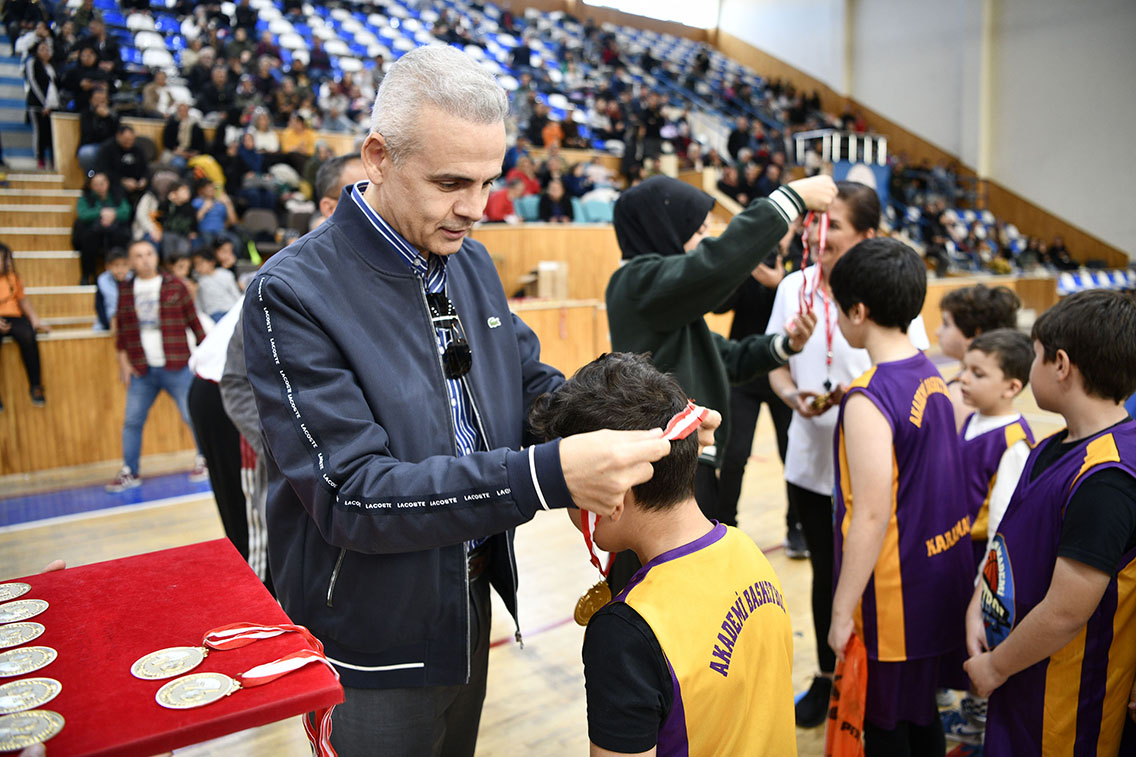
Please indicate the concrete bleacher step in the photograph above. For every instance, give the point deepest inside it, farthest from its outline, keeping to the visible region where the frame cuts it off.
(27, 239)
(48, 268)
(38, 216)
(41, 196)
(72, 323)
(31, 179)
(62, 301)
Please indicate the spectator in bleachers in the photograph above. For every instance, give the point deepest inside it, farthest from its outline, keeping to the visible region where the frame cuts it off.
(332, 177)
(84, 77)
(97, 124)
(241, 47)
(337, 121)
(244, 16)
(180, 265)
(103, 222)
(226, 256)
(157, 100)
(1058, 256)
(42, 98)
(731, 186)
(500, 208)
(319, 62)
(219, 96)
(321, 155)
(526, 172)
(182, 138)
(576, 182)
(64, 42)
(266, 47)
(123, 160)
(769, 180)
(551, 169)
(106, 287)
(265, 140)
(215, 215)
(145, 225)
(200, 73)
(178, 220)
(555, 205)
(571, 129)
(552, 134)
(154, 313)
(25, 46)
(285, 100)
(217, 289)
(297, 142)
(105, 46)
(18, 319)
(246, 173)
(751, 174)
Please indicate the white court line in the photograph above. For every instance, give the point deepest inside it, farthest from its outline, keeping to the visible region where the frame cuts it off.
(154, 504)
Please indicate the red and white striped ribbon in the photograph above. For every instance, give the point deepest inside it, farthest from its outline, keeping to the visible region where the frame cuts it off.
(319, 736)
(682, 425)
(822, 244)
(237, 635)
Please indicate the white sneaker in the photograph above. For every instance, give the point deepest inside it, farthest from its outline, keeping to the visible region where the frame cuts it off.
(123, 481)
(199, 472)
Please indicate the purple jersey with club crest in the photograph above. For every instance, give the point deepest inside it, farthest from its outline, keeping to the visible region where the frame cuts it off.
(1074, 702)
(980, 458)
(914, 604)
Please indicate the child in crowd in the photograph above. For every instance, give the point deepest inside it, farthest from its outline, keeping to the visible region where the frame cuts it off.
(106, 292)
(967, 313)
(180, 265)
(178, 221)
(555, 206)
(650, 686)
(217, 289)
(903, 566)
(226, 257)
(1052, 624)
(995, 442)
(215, 213)
(18, 319)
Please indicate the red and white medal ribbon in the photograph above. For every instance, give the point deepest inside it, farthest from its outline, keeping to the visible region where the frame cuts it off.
(822, 244)
(682, 425)
(237, 635)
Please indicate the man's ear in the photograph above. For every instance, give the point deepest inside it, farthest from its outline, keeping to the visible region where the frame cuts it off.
(375, 157)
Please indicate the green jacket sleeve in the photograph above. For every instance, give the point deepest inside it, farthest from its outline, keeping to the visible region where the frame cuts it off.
(756, 355)
(86, 211)
(122, 212)
(677, 289)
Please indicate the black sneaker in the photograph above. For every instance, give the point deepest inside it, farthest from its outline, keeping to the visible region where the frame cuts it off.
(38, 399)
(813, 707)
(795, 547)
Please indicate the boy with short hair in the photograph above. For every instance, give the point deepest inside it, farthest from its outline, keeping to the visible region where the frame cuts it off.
(995, 441)
(217, 289)
(695, 654)
(904, 567)
(106, 291)
(1056, 607)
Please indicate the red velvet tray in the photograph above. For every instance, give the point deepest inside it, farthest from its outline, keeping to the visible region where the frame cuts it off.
(103, 617)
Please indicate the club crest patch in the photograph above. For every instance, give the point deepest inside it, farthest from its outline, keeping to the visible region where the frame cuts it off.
(997, 593)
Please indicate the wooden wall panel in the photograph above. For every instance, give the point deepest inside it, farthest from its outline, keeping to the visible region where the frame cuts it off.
(610, 15)
(82, 421)
(567, 331)
(590, 250)
(1038, 293)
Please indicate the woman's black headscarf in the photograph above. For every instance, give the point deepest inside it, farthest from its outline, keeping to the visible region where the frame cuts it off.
(659, 216)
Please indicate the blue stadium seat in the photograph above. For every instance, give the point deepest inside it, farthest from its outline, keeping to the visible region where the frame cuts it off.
(528, 207)
(596, 211)
(114, 18)
(166, 24)
(577, 210)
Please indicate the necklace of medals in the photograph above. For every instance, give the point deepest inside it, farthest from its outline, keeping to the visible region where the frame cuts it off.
(173, 661)
(680, 426)
(806, 300)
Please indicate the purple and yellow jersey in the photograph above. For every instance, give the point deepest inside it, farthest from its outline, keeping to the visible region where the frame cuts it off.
(1074, 702)
(716, 608)
(913, 606)
(980, 458)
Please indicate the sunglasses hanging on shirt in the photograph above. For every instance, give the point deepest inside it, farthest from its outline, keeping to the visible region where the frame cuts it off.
(458, 357)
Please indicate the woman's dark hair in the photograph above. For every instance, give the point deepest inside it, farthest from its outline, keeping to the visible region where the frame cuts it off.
(7, 263)
(619, 390)
(1094, 328)
(978, 309)
(114, 189)
(884, 274)
(862, 202)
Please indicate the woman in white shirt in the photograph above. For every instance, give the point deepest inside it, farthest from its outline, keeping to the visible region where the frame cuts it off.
(812, 384)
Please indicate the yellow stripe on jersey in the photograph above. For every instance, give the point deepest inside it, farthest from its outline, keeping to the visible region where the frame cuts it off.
(979, 530)
(1015, 433)
(1062, 686)
(1121, 663)
(865, 378)
(1100, 450)
(891, 631)
(846, 493)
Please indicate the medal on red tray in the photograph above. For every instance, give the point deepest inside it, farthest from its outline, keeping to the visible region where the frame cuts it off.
(13, 590)
(15, 634)
(173, 661)
(17, 662)
(23, 729)
(27, 694)
(201, 689)
(680, 426)
(22, 609)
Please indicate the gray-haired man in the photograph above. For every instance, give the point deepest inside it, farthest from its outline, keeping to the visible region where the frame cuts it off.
(393, 383)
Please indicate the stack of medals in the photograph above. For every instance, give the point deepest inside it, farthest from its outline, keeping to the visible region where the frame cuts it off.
(21, 724)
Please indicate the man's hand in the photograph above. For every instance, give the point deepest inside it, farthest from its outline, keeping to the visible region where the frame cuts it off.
(707, 429)
(600, 467)
(5, 325)
(107, 216)
(125, 369)
(800, 329)
(984, 675)
(818, 192)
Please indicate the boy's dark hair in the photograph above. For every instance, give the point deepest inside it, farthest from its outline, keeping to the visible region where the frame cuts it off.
(206, 254)
(174, 256)
(116, 253)
(1095, 329)
(619, 390)
(884, 274)
(175, 186)
(978, 309)
(220, 242)
(1011, 348)
(201, 184)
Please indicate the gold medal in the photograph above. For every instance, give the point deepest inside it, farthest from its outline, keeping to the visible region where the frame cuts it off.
(26, 728)
(21, 610)
(27, 694)
(820, 401)
(167, 663)
(593, 599)
(13, 590)
(17, 662)
(196, 690)
(15, 634)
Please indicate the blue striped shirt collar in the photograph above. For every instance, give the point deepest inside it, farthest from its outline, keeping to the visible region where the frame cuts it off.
(429, 271)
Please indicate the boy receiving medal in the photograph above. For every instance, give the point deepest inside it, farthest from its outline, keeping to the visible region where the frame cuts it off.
(698, 646)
